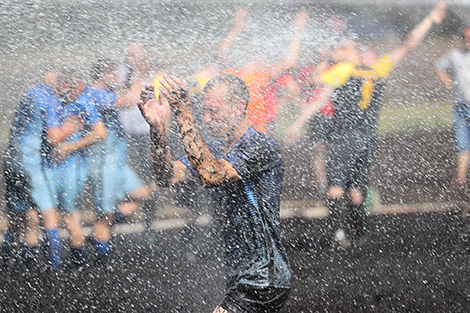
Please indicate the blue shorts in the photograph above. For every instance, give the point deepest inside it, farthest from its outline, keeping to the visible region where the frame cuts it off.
(27, 189)
(462, 126)
(68, 181)
(111, 180)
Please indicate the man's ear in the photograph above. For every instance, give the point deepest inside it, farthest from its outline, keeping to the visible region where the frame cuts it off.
(240, 107)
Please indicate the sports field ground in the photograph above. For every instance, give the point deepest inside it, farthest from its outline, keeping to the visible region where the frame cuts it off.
(415, 261)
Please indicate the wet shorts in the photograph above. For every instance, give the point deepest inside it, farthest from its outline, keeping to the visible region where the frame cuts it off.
(350, 162)
(246, 299)
(27, 190)
(67, 181)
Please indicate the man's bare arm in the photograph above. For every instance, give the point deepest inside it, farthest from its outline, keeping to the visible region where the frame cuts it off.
(437, 14)
(238, 27)
(444, 78)
(98, 132)
(293, 52)
(311, 108)
(56, 135)
(162, 162)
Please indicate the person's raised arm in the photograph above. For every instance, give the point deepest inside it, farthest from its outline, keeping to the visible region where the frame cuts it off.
(209, 169)
(310, 109)
(292, 56)
(157, 113)
(437, 14)
(239, 24)
(129, 97)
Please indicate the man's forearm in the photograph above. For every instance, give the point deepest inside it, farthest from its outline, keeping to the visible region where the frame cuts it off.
(209, 170)
(161, 158)
(418, 33)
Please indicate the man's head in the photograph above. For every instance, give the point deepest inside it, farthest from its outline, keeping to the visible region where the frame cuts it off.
(224, 100)
(69, 85)
(105, 71)
(50, 76)
(136, 56)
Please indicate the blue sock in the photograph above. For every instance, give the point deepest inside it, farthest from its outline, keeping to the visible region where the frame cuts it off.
(7, 247)
(103, 249)
(54, 248)
(78, 256)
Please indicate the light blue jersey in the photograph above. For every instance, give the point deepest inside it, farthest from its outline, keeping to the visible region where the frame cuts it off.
(25, 157)
(108, 171)
(69, 175)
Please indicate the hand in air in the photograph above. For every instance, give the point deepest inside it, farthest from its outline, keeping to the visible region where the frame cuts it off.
(292, 135)
(156, 112)
(176, 93)
(438, 13)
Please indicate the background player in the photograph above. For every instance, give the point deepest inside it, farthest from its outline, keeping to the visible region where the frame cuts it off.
(453, 70)
(27, 190)
(356, 88)
(110, 176)
(66, 133)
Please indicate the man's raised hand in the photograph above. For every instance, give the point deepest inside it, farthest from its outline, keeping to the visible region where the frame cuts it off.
(176, 93)
(156, 112)
(438, 13)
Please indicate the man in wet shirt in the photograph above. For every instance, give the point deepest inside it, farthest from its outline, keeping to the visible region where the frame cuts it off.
(244, 170)
(356, 87)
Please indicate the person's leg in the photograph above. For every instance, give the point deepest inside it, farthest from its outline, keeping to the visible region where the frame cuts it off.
(15, 221)
(102, 237)
(319, 164)
(463, 159)
(73, 178)
(359, 187)
(337, 206)
(30, 249)
(339, 164)
(77, 237)
(462, 138)
(53, 242)
(358, 213)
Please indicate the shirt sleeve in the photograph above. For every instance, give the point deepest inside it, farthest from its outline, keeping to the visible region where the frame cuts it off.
(89, 113)
(383, 67)
(444, 63)
(338, 75)
(253, 157)
(51, 110)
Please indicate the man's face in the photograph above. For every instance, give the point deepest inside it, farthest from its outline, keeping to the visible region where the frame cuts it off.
(110, 78)
(219, 111)
(70, 92)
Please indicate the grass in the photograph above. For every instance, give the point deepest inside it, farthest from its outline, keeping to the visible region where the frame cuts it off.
(401, 118)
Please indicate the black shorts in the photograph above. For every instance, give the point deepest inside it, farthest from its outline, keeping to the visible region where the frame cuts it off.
(320, 128)
(250, 299)
(350, 161)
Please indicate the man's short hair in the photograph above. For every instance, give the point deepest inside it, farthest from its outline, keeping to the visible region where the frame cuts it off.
(69, 76)
(236, 88)
(101, 67)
